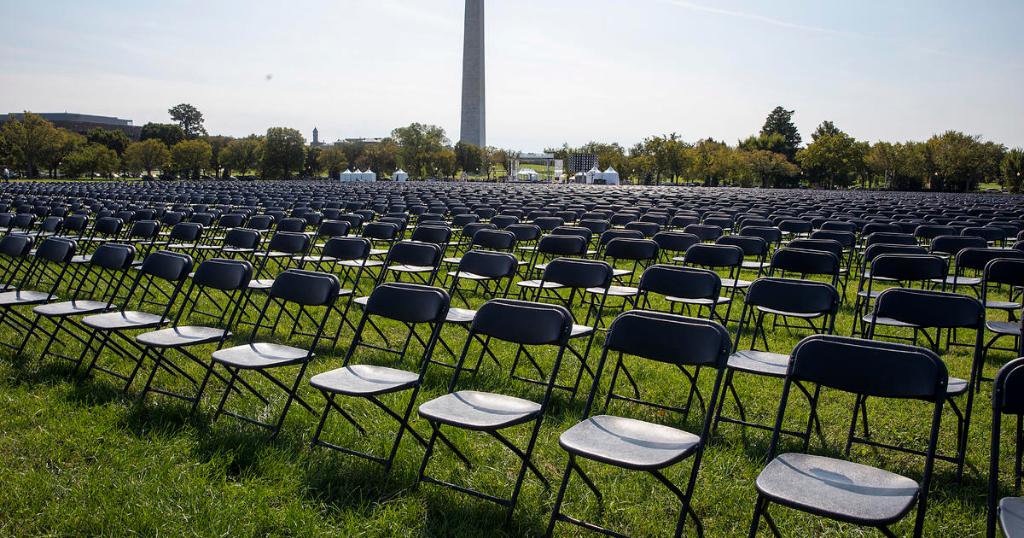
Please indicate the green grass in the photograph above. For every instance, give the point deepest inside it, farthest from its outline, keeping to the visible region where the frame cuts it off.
(81, 458)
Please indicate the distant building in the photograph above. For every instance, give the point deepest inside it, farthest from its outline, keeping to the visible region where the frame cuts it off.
(82, 123)
(316, 138)
(362, 140)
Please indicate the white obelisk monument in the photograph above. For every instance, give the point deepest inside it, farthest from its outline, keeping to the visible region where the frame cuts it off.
(474, 122)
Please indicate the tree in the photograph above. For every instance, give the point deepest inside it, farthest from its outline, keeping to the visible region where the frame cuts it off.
(773, 142)
(284, 151)
(189, 119)
(765, 166)
(333, 160)
(92, 160)
(780, 121)
(1012, 170)
(826, 128)
(418, 144)
(834, 157)
(959, 162)
(312, 165)
(146, 156)
(67, 143)
(30, 142)
(381, 157)
(168, 133)
(444, 163)
(711, 161)
(242, 155)
(217, 144)
(191, 157)
(469, 157)
(111, 138)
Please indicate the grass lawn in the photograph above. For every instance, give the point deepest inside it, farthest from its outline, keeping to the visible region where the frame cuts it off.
(79, 457)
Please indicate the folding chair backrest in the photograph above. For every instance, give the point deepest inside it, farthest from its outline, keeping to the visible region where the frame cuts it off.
(908, 267)
(108, 226)
(429, 233)
(751, 245)
(386, 231)
(113, 256)
(523, 322)
(289, 242)
(793, 295)
(488, 264)
(494, 239)
(675, 241)
(347, 248)
(333, 228)
(1008, 388)
(409, 303)
(186, 231)
(562, 245)
(524, 232)
(170, 266)
(953, 244)
(144, 229)
(224, 275)
(930, 309)
(714, 255)
(821, 245)
(409, 253)
(242, 238)
(1007, 271)
(978, 258)
(869, 368)
(56, 250)
(669, 338)
(889, 238)
(580, 274)
(807, 262)
(307, 288)
(15, 245)
(631, 249)
(681, 282)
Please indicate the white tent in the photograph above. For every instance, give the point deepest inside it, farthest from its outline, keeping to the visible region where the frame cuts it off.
(369, 175)
(346, 175)
(593, 174)
(357, 175)
(529, 174)
(610, 176)
(400, 175)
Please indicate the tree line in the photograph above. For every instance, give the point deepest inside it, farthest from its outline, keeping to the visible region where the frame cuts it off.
(774, 157)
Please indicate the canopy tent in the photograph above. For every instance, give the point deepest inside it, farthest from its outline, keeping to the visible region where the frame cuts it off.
(593, 175)
(369, 175)
(347, 175)
(529, 174)
(610, 176)
(400, 175)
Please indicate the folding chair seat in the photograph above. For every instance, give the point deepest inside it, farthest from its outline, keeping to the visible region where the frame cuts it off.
(110, 328)
(632, 444)
(798, 300)
(1007, 399)
(221, 281)
(840, 489)
(525, 325)
(921, 310)
(717, 257)
(411, 305)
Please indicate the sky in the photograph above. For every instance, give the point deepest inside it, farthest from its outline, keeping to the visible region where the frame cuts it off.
(558, 71)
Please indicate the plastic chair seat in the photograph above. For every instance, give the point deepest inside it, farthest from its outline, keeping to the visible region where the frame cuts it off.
(697, 301)
(1011, 328)
(615, 291)
(960, 281)
(735, 283)
(81, 258)
(804, 315)
(628, 443)
(24, 297)
(452, 260)
(888, 322)
(468, 275)
(580, 330)
(70, 308)
(261, 283)
(752, 265)
(411, 268)
(364, 379)
(189, 335)
(361, 263)
(1011, 516)
(479, 410)
(760, 362)
(537, 284)
(621, 272)
(120, 321)
(260, 355)
(1002, 305)
(841, 489)
(460, 316)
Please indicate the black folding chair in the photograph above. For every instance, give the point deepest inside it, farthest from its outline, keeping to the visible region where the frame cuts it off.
(919, 311)
(802, 300)
(38, 285)
(686, 286)
(111, 329)
(223, 282)
(411, 305)
(840, 489)
(1007, 399)
(523, 324)
(632, 444)
(294, 287)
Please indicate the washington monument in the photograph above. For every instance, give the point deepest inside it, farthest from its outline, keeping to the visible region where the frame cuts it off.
(474, 116)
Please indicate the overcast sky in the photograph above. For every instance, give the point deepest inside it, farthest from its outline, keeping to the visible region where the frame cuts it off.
(557, 70)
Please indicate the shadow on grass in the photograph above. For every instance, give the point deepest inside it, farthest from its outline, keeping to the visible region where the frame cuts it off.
(475, 517)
